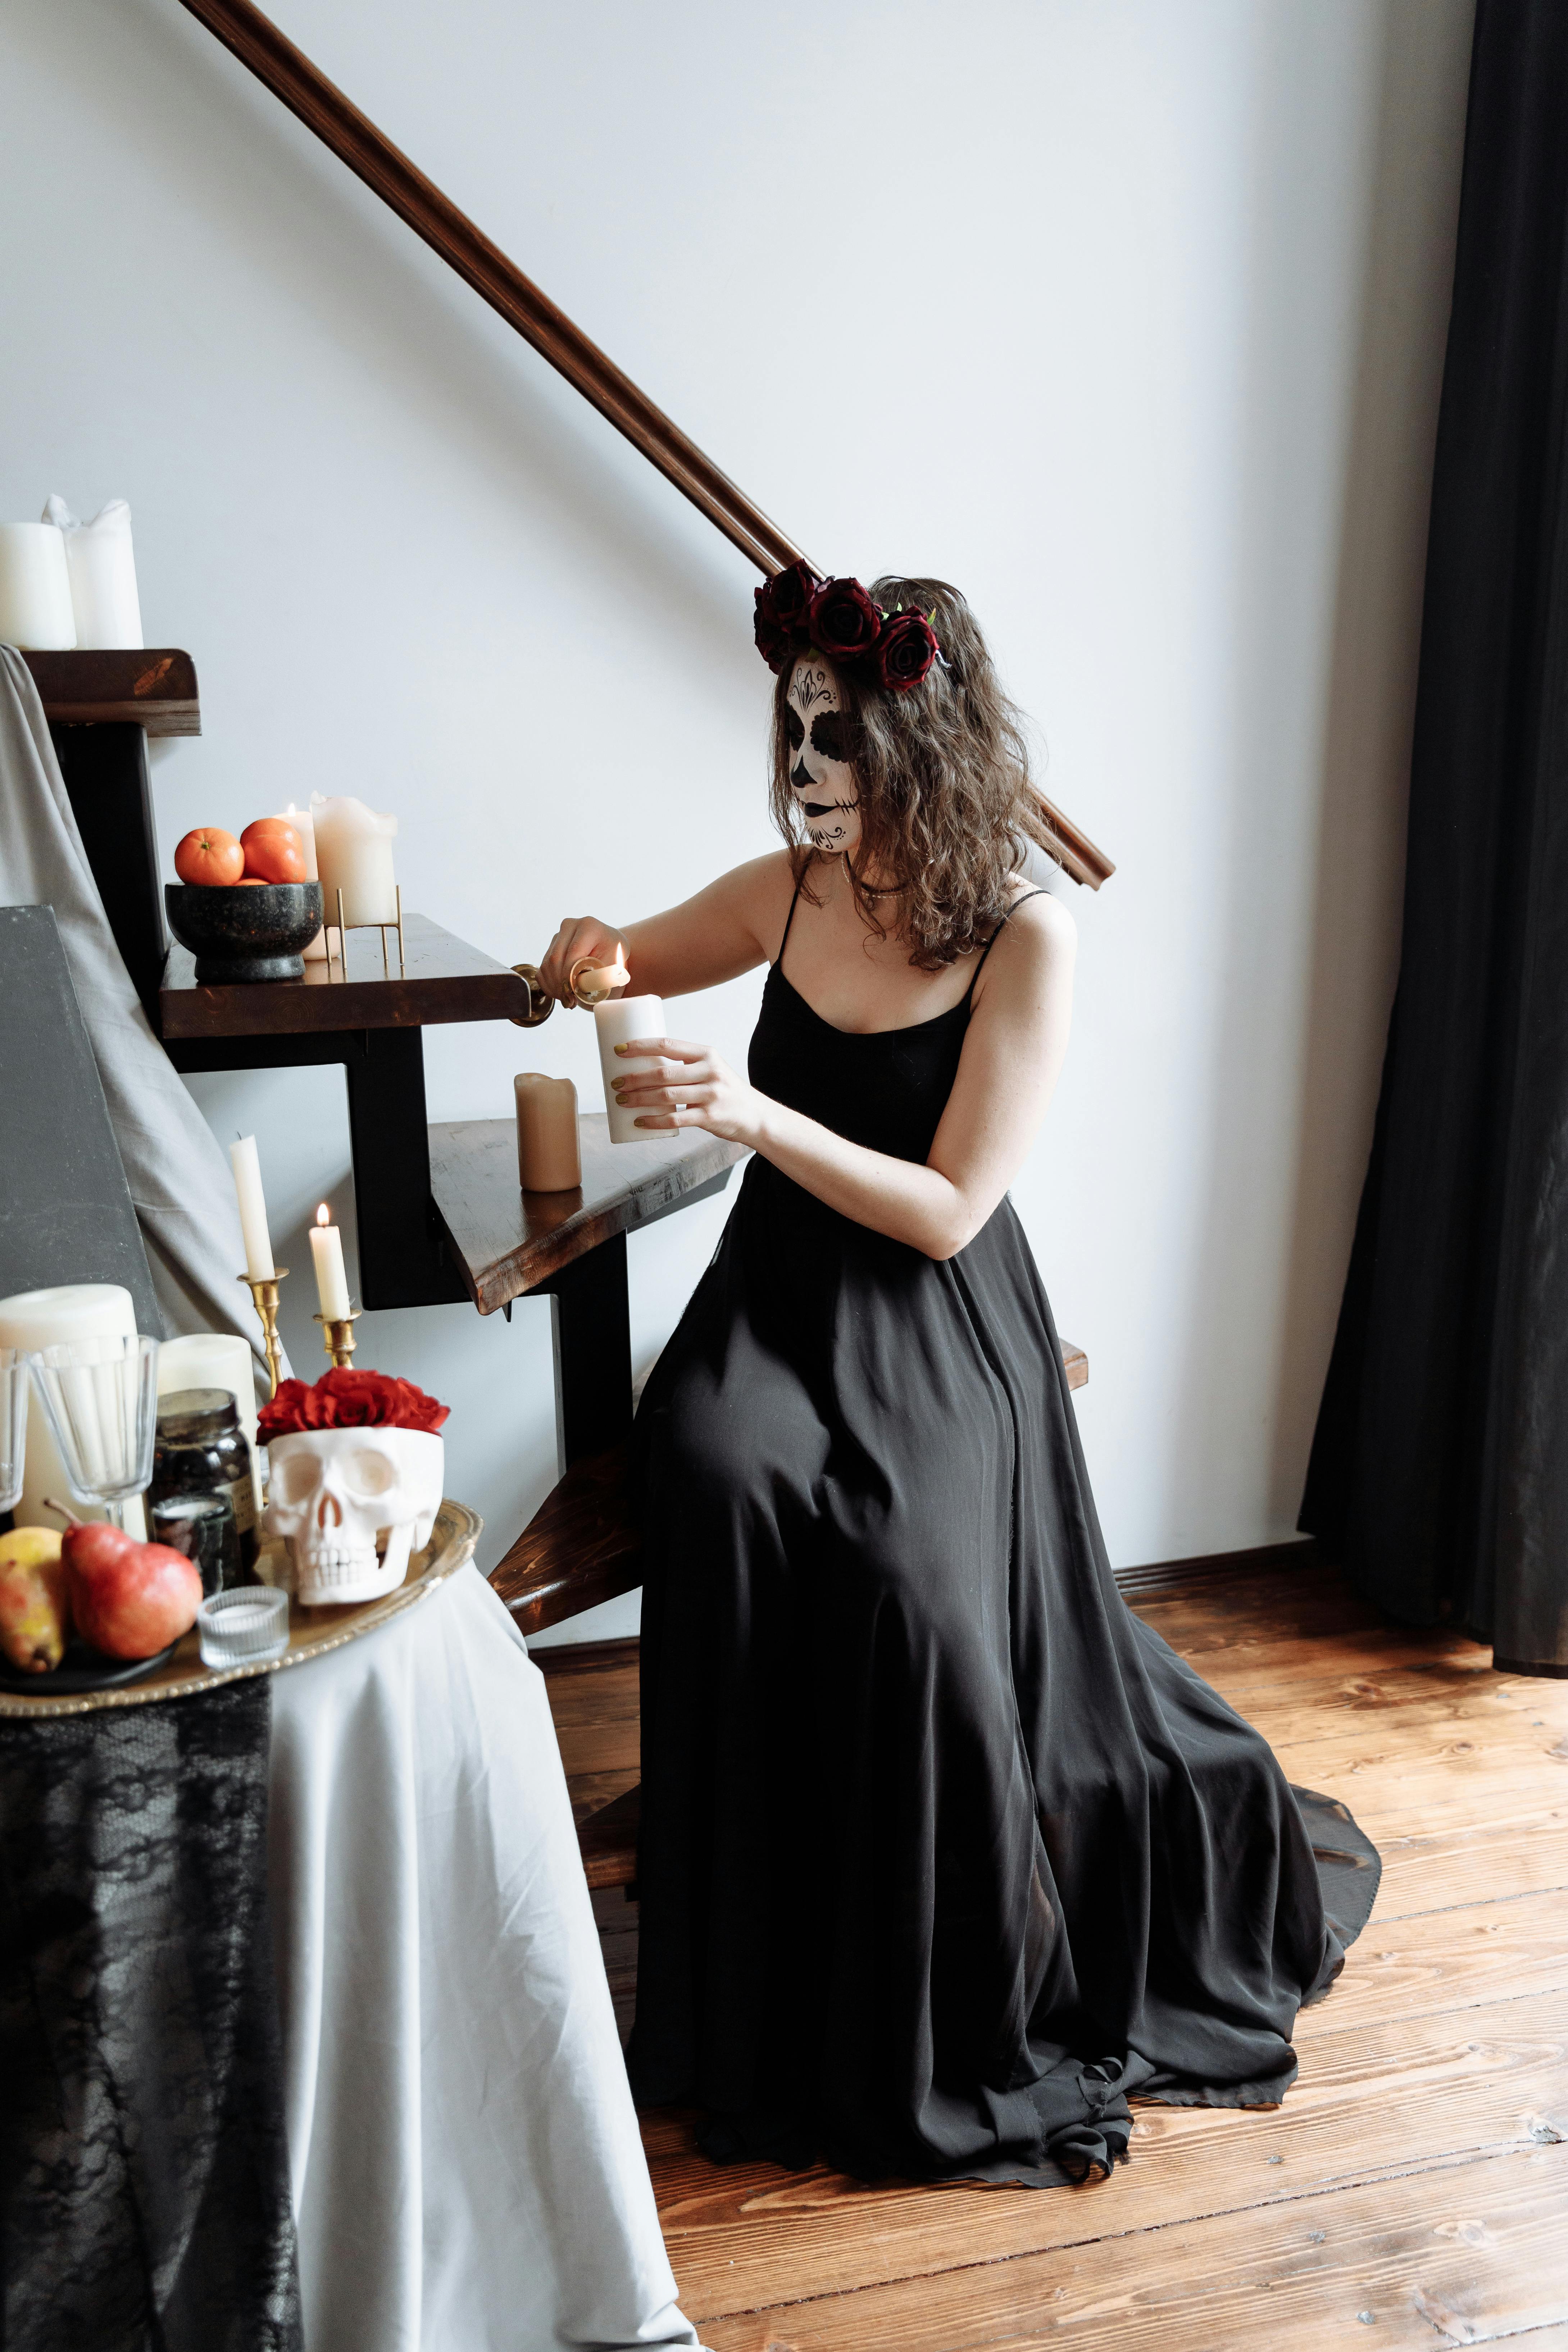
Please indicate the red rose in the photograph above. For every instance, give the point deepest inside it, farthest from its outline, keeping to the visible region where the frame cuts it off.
(843, 622)
(789, 594)
(777, 645)
(345, 1399)
(905, 651)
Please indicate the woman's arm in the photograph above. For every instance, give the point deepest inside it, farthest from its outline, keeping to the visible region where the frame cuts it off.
(731, 926)
(1012, 1053)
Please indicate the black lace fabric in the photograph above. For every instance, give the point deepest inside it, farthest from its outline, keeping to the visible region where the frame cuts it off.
(145, 2202)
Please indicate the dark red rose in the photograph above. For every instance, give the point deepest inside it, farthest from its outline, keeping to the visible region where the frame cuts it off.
(905, 651)
(345, 1399)
(789, 592)
(776, 644)
(843, 622)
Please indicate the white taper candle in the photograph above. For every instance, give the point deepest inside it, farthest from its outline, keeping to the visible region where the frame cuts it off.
(326, 1255)
(247, 1168)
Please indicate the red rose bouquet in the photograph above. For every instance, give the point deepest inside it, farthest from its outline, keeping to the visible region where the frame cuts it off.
(346, 1399)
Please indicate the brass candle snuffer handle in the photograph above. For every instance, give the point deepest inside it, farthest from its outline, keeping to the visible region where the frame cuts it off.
(542, 1004)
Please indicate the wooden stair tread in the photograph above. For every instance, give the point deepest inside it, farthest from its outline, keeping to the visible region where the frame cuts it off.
(505, 1241)
(152, 688)
(442, 979)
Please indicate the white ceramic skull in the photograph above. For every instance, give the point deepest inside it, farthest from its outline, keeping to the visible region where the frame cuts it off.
(822, 779)
(331, 1491)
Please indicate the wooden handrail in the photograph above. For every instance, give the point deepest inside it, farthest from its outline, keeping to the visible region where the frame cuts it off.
(322, 108)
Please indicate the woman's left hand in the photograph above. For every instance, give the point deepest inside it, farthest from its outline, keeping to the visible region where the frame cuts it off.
(709, 1094)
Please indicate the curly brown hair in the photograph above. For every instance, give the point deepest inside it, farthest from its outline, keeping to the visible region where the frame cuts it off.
(946, 805)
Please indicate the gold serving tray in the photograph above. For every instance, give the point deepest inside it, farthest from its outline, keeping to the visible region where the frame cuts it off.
(312, 1632)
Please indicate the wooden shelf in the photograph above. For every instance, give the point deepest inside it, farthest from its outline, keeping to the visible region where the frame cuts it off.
(154, 687)
(443, 981)
(506, 1242)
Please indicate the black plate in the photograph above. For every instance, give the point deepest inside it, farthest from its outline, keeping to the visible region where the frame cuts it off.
(81, 1669)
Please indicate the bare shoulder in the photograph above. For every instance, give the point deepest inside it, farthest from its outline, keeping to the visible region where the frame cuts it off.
(1041, 934)
(760, 891)
(1032, 961)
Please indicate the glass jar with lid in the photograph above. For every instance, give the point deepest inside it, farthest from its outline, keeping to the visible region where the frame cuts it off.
(203, 1450)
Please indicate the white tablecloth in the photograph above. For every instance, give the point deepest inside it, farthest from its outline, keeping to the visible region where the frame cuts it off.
(468, 2171)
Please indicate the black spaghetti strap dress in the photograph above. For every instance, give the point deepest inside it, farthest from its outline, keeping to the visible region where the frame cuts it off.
(943, 1851)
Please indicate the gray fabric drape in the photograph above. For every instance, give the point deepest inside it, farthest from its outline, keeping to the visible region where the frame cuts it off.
(179, 1178)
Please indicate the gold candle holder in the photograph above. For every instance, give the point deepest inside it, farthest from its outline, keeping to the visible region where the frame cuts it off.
(265, 1293)
(338, 1335)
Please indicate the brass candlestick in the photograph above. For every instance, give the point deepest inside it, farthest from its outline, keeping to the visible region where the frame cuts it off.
(338, 1335)
(265, 1293)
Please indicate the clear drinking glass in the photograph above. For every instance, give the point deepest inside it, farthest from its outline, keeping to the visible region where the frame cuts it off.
(13, 1424)
(101, 1399)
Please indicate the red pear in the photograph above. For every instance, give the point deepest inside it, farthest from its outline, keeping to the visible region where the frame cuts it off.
(129, 1599)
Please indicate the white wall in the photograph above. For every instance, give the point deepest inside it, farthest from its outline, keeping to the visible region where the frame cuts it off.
(1127, 315)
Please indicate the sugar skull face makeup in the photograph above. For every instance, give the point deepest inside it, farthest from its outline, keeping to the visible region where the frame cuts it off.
(821, 774)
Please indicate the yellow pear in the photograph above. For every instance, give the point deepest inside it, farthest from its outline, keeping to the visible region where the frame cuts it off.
(35, 1615)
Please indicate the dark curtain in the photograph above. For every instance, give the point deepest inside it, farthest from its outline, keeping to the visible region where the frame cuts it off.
(1439, 1470)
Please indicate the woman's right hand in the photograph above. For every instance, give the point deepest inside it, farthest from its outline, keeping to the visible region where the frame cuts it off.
(579, 937)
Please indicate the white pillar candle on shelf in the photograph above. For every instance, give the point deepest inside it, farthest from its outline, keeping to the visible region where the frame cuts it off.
(326, 1255)
(353, 854)
(548, 1156)
(46, 1318)
(215, 1360)
(304, 825)
(102, 568)
(617, 1023)
(34, 588)
(246, 1168)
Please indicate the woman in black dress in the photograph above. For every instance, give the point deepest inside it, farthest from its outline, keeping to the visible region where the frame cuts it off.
(943, 1851)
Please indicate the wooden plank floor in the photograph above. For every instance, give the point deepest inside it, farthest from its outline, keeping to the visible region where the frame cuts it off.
(1412, 2190)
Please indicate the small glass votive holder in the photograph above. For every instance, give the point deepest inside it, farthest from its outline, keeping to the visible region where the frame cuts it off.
(243, 1627)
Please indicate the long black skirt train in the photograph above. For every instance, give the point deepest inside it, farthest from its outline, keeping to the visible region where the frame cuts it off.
(944, 1852)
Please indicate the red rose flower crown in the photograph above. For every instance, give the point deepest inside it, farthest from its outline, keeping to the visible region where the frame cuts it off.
(797, 612)
(345, 1399)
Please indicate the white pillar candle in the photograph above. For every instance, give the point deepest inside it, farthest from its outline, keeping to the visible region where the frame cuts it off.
(353, 854)
(102, 567)
(304, 825)
(548, 1156)
(45, 1319)
(616, 1024)
(34, 588)
(327, 1254)
(215, 1360)
(246, 1168)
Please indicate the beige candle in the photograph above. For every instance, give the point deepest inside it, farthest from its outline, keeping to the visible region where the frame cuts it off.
(548, 1158)
(304, 825)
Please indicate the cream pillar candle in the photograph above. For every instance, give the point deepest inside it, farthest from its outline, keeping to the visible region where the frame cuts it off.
(46, 1318)
(246, 1168)
(215, 1360)
(304, 825)
(327, 1257)
(34, 588)
(102, 567)
(616, 1024)
(548, 1156)
(353, 854)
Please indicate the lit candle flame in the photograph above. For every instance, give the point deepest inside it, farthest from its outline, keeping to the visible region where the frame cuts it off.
(323, 1215)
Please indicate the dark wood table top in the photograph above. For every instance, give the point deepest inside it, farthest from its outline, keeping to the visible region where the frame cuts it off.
(506, 1242)
(155, 688)
(442, 979)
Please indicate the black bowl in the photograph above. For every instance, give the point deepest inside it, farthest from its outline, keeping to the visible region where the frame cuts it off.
(245, 930)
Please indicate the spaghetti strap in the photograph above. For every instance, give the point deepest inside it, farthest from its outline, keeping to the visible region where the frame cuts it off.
(778, 960)
(991, 942)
